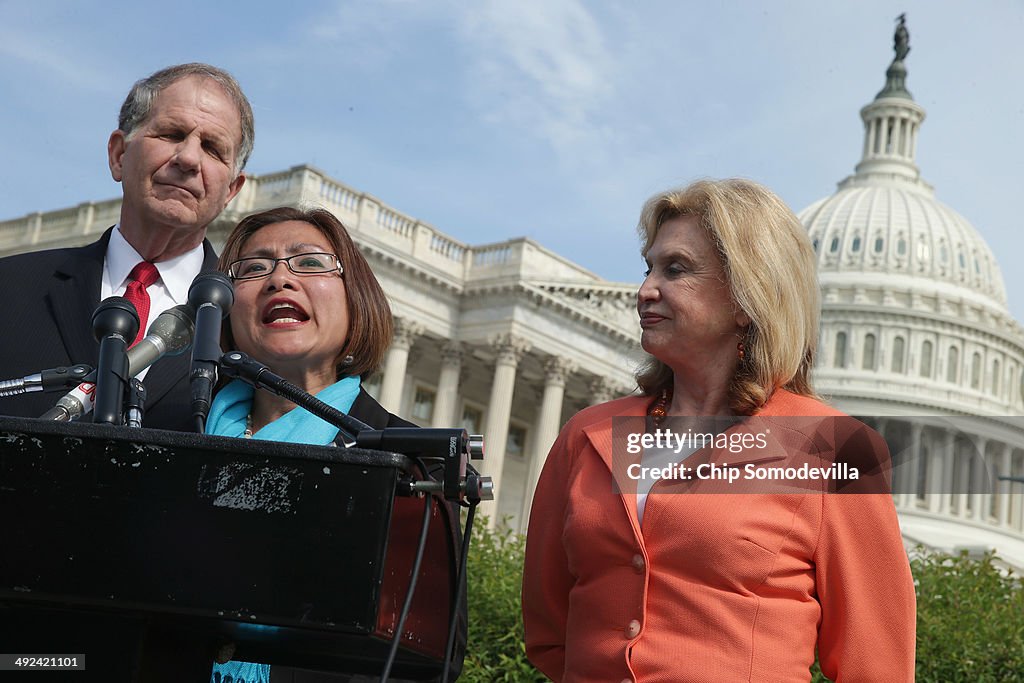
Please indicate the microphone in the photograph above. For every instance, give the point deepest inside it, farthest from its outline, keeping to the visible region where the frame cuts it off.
(114, 324)
(47, 380)
(239, 365)
(212, 296)
(169, 335)
(453, 447)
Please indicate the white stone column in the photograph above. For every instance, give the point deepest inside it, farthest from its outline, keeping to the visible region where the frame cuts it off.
(979, 493)
(1003, 502)
(556, 372)
(912, 467)
(945, 473)
(447, 397)
(510, 350)
(881, 425)
(395, 364)
(961, 480)
(897, 136)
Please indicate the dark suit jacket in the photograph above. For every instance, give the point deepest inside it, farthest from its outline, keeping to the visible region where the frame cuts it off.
(51, 296)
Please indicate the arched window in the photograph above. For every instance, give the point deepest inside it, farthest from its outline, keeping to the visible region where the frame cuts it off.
(897, 354)
(926, 359)
(879, 245)
(868, 363)
(901, 247)
(976, 371)
(995, 376)
(834, 247)
(855, 247)
(953, 365)
(839, 358)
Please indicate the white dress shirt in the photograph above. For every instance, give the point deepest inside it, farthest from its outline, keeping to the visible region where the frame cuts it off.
(171, 289)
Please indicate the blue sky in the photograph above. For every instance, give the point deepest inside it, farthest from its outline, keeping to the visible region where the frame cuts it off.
(552, 119)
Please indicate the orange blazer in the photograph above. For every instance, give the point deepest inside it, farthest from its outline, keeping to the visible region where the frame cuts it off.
(712, 586)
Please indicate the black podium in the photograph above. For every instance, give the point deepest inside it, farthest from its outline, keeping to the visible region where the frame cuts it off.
(149, 550)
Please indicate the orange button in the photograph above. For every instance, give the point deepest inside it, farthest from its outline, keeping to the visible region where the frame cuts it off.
(633, 630)
(638, 563)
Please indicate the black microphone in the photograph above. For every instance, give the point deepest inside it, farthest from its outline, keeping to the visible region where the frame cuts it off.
(47, 380)
(212, 295)
(169, 335)
(114, 324)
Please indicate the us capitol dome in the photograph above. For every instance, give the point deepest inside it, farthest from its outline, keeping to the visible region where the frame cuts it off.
(916, 337)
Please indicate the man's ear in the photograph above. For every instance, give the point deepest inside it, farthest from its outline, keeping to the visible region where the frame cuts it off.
(115, 153)
(235, 186)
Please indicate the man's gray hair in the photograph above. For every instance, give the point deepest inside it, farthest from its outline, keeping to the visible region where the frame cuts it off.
(139, 103)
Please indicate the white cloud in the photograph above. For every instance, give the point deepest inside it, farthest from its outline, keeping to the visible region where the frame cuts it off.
(542, 67)
(50, 55)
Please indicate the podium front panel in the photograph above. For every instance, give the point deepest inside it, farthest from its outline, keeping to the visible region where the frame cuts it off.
(255, 541)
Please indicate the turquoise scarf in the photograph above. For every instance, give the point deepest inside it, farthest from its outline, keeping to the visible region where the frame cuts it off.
(232, 405)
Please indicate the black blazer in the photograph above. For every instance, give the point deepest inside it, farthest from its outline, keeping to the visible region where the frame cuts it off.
(366, 409)
(50, 297)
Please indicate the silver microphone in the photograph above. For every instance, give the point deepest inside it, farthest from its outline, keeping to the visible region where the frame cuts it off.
(169, 335)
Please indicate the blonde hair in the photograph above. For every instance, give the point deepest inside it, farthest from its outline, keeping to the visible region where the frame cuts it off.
(770, 267)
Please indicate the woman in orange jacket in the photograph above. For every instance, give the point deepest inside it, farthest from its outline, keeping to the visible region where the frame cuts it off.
(667, 546)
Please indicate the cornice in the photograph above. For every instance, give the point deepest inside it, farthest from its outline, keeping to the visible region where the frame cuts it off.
(545, 295)
(863, 313)
(404, 264)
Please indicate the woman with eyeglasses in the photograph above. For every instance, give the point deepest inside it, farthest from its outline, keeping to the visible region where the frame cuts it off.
(308, 306)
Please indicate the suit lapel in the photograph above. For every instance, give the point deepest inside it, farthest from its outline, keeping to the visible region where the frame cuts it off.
(609, 438)
(168, 371)
(73, 298)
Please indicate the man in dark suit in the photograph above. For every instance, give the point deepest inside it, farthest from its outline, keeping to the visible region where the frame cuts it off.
(184, 135)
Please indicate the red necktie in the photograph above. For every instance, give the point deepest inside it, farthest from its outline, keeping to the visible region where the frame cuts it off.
(143, 275)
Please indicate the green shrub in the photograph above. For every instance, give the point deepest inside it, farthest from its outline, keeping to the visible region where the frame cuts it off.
(496, 651)
(970, 620)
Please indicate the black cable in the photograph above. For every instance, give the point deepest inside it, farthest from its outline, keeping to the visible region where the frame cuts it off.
(464, 556)
(396, 640)
(200, 424)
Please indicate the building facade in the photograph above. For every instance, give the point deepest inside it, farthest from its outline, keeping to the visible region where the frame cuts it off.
(916, 338)
(510, 339)
(506, 339)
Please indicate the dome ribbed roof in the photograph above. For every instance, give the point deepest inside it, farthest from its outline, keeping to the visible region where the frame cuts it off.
(902, 231)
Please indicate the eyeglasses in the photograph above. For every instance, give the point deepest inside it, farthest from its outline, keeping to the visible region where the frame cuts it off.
(313, 263)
